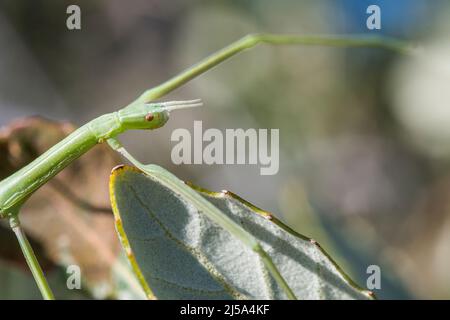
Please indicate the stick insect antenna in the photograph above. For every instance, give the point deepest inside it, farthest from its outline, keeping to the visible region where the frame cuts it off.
(176, 105)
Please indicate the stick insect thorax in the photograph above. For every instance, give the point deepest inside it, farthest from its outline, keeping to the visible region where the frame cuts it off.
(15, 189)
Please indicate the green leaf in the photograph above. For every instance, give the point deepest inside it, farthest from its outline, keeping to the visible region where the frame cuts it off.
(178, 253)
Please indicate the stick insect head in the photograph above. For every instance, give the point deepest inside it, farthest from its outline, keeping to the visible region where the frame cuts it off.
(158, 113)
(153, 115)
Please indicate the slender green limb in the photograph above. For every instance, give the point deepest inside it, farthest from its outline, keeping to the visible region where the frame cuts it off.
(252, 40)
(267, 260)
(211, 211)
(31, 259)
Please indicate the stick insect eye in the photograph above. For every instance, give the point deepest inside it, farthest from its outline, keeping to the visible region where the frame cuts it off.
(149, 117)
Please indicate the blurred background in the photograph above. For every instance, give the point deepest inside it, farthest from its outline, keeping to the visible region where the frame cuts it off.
(364, 133)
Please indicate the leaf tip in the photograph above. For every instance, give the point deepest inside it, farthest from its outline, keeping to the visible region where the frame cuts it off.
(117, 168)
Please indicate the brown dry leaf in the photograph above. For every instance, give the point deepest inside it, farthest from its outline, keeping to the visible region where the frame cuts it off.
(70, 216)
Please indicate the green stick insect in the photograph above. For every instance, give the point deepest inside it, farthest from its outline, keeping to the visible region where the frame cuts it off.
(143, 115)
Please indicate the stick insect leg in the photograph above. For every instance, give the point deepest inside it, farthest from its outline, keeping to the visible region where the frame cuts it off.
(211, 211)
(252, 40)
(31, 259)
